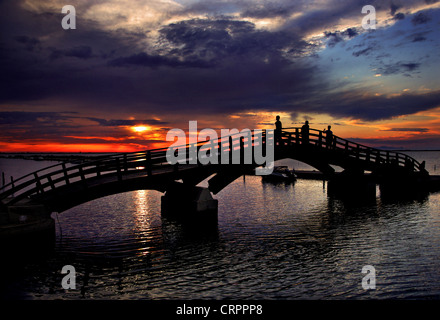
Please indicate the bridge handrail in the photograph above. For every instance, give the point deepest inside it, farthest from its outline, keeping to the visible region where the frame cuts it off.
(347, 144)
(127, 160)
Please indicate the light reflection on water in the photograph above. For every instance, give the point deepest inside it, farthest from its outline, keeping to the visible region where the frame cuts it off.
(271, 241)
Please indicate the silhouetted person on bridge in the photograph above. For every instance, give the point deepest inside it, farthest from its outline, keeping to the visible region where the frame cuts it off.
(305, 133)
(329, 137)
(278, 128)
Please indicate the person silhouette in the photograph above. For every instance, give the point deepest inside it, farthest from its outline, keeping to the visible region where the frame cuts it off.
(305, 133)
(328, 137)
(278, 128)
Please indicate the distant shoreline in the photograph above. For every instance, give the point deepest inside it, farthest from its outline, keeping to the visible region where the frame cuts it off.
(2, 154)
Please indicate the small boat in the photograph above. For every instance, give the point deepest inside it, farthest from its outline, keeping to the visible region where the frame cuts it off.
(281, 174)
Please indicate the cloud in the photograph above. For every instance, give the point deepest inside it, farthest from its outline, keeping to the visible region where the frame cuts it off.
(420, 18)
(358, 105)
(271, 10)
(365, 51)
(80, 52)
(421, 130)
(124, 122)
(399, 16)
(398, 67)
(22, 118)
(30, 43)
(146, 60)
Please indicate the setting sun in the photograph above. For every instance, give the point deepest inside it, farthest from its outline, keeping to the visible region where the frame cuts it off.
(140, 128)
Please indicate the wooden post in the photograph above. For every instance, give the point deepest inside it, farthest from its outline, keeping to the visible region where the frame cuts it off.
(219, 155)
(148, 162)
(66, 178)
(12, 185)
(3, 179)
(241, 150)
(81, 173)
(98, 170)
(52, 185)
(320, 139)
(231, 147)
(125, 162)
(118, 169)
(297, 135)
(38, 183)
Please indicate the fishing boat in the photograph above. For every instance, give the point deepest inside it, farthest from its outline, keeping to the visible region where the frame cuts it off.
(281, 174)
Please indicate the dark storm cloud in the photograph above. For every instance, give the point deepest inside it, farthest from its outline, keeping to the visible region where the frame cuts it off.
(337, 36)
(80, 52)
(399, 16)
(123, 122)
(271, 10)
(356, 105)
(398, 67)
(420, 18)
(362, 52)
(393, 8)
(30, 43)
(146, 60)
(210, 39)
(408, 130)
(31, 118)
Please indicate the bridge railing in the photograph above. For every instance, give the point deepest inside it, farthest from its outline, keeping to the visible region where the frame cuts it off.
(349, 148)
(144, 162)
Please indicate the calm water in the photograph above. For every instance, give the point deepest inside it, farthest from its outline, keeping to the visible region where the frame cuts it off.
(285, 241)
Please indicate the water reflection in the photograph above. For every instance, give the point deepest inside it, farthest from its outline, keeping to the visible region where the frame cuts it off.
(270, 241)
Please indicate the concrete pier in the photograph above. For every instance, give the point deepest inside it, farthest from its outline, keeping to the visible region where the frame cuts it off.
(189, 202)
(352, 185)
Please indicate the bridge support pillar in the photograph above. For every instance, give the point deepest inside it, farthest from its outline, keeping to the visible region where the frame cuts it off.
(351, 184)
(399, 183)
(189, 202)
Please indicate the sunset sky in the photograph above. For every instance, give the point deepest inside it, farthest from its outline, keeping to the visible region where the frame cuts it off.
(132, 70)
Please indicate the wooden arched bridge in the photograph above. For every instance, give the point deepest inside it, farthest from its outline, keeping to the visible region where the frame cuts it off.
(64, 185)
